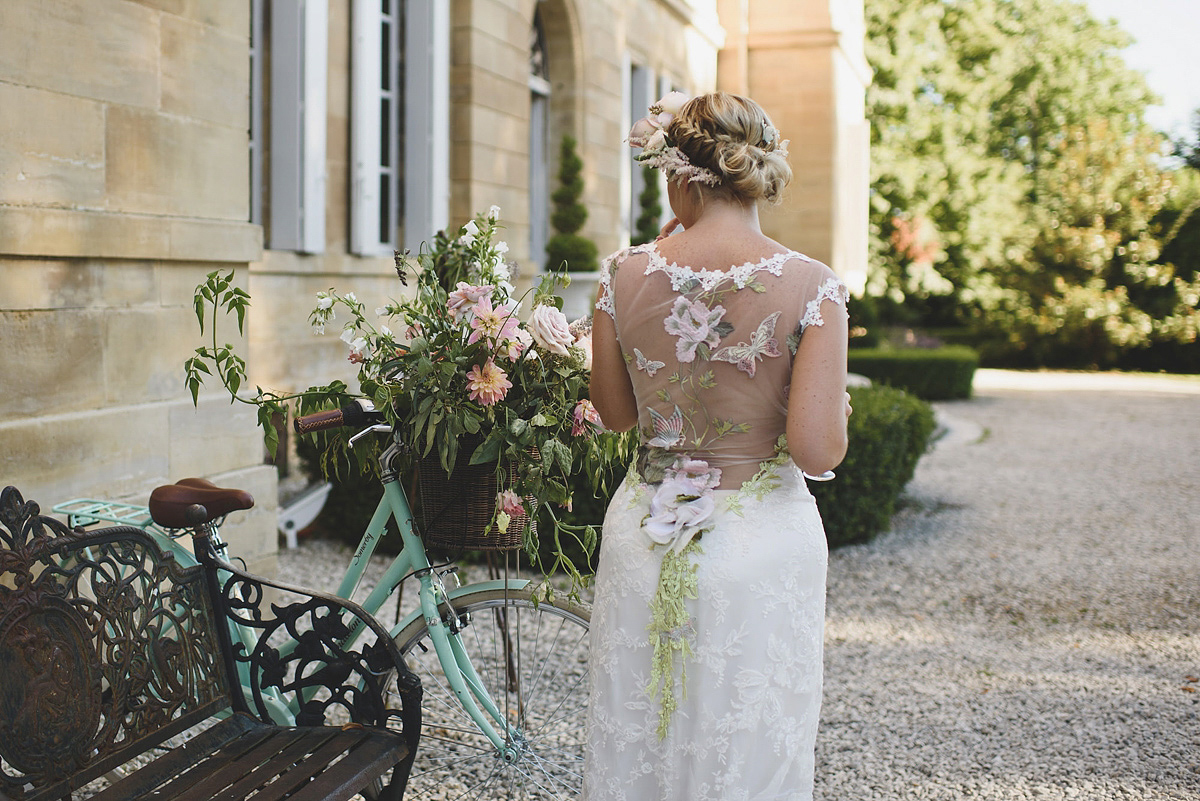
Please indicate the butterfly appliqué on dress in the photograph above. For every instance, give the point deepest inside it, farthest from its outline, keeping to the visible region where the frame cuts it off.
(668, 431)
(651, 366)
(762, 343)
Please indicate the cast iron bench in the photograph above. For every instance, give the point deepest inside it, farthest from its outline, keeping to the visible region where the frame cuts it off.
(109, 648)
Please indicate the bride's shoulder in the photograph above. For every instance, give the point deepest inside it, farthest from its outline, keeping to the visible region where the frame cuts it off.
(636, 254)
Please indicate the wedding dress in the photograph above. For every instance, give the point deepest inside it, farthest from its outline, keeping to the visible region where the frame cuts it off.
(707, 625)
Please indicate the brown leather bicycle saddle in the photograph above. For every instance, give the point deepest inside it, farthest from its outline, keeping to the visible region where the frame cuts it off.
(169, 503)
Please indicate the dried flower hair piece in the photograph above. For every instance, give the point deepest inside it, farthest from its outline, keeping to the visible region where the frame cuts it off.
(650, 134)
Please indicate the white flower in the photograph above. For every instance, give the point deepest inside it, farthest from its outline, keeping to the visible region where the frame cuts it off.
(501, 271)
(347, 334)
(358, 347)
(472, 229)
(672, 102)
(351, 297)
(656, 142)
(324, 301)
(383, 329)
(551, 330)
(381, 311)
(493, 212)
(502, 247)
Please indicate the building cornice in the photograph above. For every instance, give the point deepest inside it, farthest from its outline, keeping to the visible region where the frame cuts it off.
(73, 233)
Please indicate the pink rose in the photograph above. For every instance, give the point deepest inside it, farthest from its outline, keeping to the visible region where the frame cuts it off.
(550, 330)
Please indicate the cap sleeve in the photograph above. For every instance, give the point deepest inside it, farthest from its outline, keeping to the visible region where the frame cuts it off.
(831, 289)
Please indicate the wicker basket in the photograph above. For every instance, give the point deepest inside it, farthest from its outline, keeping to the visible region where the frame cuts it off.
(455, 510)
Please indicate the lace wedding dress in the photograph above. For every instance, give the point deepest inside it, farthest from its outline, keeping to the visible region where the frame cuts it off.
(707, 626)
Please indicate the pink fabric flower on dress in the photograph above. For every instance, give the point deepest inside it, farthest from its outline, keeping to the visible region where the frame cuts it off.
(488, 383)
(694, 324)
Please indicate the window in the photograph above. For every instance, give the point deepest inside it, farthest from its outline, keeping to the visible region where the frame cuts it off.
(375, 126)
(641, 86)
(399, 124)
(426, 208)
(256, 111)
(539, 121)
(299, 53)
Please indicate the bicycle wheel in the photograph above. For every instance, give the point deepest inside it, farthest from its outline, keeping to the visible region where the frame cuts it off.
(533, 662)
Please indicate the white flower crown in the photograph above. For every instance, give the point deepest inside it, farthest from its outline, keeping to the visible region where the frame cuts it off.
(650, 134)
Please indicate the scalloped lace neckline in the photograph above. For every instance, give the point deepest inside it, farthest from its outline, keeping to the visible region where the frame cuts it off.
(740, 274)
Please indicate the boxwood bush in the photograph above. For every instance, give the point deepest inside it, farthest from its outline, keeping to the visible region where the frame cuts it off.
(942, 373)
(888, 432)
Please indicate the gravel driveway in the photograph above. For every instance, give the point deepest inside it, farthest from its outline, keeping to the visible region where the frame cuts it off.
(1028, 629)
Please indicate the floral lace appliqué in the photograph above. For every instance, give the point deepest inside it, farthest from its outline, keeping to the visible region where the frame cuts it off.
(741, 276)
(832, 289)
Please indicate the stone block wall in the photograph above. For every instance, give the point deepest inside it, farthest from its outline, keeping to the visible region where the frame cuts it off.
(123, 181)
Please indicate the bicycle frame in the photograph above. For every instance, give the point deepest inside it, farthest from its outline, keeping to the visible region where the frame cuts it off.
(412, 559)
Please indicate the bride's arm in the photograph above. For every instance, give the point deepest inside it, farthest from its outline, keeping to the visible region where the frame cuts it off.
(611, 390)
(817, 402)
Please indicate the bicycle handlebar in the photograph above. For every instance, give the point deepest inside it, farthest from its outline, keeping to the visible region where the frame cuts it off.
(356, 414)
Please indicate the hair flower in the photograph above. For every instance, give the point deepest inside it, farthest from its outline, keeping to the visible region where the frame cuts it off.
(658, 151)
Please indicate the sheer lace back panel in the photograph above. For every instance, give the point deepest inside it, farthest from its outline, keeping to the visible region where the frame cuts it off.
(710, 352)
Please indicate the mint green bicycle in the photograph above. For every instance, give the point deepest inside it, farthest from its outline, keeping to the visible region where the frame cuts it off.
(503, 668)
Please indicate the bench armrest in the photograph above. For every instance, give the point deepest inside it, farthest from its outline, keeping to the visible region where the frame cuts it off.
(299, 652)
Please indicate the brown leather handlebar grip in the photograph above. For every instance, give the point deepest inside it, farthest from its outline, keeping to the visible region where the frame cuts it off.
(319, 421)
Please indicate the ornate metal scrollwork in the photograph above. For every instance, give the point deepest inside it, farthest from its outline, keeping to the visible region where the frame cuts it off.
(299, 651)
(104, 641)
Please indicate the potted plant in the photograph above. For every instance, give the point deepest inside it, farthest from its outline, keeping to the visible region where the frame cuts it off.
(462, 377)
(567, 250)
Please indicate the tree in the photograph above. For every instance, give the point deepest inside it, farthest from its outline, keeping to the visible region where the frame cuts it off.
(968, 109)
(648, 221)
(1015, 184)
(567, 246)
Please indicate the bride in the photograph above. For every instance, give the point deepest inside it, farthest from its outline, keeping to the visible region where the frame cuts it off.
(727, 351)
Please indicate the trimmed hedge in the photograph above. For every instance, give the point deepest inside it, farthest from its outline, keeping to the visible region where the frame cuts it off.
(888, 432)
(929, 373)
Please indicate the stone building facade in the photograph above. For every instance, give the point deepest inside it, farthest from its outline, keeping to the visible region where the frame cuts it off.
(146, 143)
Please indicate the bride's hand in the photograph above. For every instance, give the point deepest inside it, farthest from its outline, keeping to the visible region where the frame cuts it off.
(671, 225)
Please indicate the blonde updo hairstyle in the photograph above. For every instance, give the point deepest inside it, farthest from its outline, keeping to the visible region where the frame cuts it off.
(727, 134)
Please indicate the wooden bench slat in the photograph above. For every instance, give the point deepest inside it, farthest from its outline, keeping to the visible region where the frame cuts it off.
(167, 767)
(348, 776)
(234, 761)
(297, 749)
(296, 775)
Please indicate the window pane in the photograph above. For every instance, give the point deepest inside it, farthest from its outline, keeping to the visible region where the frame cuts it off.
(385, 57)
(385, 132)
(385, 202)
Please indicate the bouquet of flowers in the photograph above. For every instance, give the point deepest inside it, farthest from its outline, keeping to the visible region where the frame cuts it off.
(455, 359)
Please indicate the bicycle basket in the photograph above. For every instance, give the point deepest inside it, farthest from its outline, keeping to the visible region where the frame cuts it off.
(456, 509)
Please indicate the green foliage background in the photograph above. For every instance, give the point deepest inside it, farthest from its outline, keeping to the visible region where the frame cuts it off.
(1017, 190)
